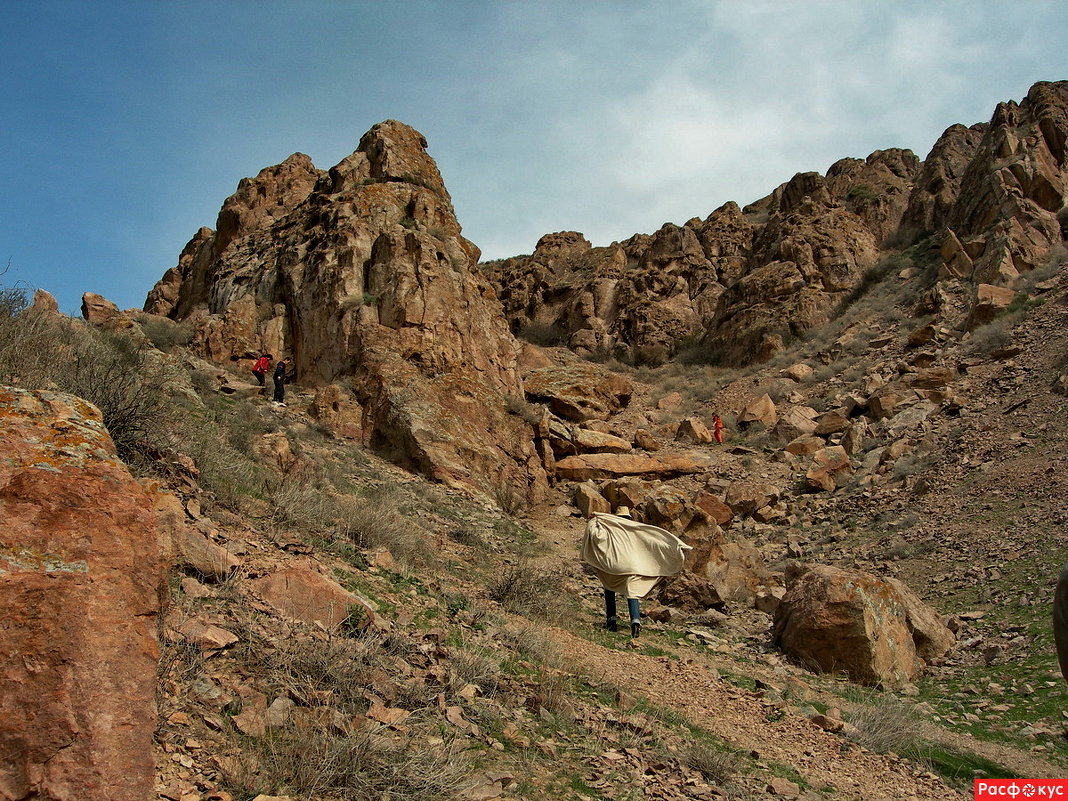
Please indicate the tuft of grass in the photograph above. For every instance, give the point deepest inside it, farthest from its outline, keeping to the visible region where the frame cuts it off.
(311, 763)
(523, 409)
(508, 496)
(528, 590)
(717, 765)
(882, 725)
(164, 333)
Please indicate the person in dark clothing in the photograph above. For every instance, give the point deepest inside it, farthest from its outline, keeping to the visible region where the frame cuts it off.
(280, 378)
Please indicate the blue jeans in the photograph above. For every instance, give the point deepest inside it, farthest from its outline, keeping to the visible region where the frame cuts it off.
(610, 607)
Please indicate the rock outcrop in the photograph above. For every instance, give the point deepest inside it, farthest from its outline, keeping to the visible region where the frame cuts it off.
(362, 275)
(80, 575)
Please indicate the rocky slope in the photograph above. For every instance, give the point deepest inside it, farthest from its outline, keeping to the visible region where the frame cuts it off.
(748, 281)
(873, 545)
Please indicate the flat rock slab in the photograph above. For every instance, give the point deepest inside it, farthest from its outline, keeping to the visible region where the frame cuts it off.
(309, 596)
(611, 465)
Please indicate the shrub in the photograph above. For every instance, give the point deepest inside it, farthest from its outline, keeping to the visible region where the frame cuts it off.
(883, 725)
(996, 334)
(874, 275)
(534, 644)
(528, 590)
(165, 333)
(342, 667)
(715, 764)
(311, 763)
(472, 665)
(469, 537)
(520, 407)
(861, 192)
(508, 496)
(545, 335)
(374, 521)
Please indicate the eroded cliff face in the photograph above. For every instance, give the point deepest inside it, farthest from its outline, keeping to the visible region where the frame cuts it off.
(745, 281)
(80, 574)
(362, 275)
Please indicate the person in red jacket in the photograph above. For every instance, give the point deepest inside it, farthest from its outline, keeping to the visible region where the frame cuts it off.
(717, 428)
(260, 368)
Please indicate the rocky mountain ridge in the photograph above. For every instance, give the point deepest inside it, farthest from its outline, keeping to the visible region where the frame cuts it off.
(745, 282)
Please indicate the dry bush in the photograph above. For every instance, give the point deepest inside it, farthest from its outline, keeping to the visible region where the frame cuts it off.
(717, 765)
(374, 521)
(534, 644)
(165, 333)
(522, 408)
(469, 537)
(528, 590)
(232, 478)
(883, 725)
(474, 665)
(311, 763)
(996, 334)
(550, 691)
(509, 498)
(129, 383)
(343, 667)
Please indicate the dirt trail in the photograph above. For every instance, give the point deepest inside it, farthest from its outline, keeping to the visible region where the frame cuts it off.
(739, 717)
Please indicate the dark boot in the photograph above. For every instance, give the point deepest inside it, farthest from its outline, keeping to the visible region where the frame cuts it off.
(610, 624)
(635, 629)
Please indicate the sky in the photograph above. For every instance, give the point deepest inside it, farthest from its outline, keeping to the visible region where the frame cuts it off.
(124, 125)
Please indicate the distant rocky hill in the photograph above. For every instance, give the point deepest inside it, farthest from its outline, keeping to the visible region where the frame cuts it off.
(747, 281)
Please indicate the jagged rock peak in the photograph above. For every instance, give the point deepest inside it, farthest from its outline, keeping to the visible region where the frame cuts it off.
(261, 201)
(397, 152)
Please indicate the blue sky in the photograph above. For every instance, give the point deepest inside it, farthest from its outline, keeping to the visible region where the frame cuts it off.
(126, 124)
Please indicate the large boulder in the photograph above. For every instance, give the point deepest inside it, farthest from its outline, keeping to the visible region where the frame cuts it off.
(579, 391)
(80, 575)
(761, 411)
(990, 301)
(745, 497)
(307, 595)
(830, 468)
(875, 630)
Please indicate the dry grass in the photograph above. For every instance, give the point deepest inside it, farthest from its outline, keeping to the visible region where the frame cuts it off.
(522, 408)
(311, 763)
(508, 496)
(534, 644)
(477, 666)
(715, 764)
(884, 725)
(528, 590)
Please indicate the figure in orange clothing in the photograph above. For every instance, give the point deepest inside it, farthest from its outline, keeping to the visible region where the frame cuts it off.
(717, 428)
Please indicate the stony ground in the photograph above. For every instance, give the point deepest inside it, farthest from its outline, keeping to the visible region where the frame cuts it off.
(513, 683)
